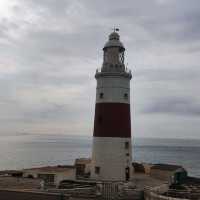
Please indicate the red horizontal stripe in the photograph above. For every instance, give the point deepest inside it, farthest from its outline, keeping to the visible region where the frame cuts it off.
(112, 120)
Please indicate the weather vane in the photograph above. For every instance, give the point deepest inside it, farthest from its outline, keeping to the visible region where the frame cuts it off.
(115, 29)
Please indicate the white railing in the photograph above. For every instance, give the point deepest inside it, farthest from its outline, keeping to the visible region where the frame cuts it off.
(156, 193)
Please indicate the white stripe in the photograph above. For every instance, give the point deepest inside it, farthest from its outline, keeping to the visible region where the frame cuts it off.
(113, 89)
(112, 157)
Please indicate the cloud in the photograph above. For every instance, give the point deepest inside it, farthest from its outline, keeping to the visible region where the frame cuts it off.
(175, 106)
(180, 74)
(50, 50)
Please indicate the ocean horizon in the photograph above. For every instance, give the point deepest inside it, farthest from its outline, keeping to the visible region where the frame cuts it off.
(31, 150)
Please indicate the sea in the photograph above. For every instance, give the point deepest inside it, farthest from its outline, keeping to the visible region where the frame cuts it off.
(33, 150)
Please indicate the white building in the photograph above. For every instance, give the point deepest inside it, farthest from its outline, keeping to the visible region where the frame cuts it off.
(112, 151)
(51, 174)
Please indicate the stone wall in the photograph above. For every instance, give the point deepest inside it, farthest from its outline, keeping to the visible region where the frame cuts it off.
(156, 193)
(22, 195)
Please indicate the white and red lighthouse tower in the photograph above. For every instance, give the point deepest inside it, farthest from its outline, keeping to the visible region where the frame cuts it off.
(112, 152)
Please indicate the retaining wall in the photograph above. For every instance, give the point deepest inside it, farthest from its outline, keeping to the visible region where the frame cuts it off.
(24, 195)
(156, 193)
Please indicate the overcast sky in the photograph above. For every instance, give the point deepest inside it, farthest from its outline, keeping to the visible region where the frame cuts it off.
(50, 49)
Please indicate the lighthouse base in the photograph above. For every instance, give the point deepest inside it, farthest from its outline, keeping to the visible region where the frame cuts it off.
(111, 159)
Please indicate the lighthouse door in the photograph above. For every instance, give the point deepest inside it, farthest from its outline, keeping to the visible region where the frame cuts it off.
(127, 173)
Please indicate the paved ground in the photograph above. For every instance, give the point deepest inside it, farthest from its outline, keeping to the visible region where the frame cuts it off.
(139, 181)
(143, 180)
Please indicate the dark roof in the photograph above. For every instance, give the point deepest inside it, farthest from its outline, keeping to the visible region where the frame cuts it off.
(58, 168)
(10, 172)
(82, 161)
(166, 167)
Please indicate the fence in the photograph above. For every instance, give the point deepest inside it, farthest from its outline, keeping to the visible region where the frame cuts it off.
(24, 195)
(109, 190)
(156, 193)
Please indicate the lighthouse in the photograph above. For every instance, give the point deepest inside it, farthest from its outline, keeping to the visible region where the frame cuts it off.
(112, 149)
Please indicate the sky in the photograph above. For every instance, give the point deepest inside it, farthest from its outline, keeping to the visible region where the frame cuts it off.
(50, 50)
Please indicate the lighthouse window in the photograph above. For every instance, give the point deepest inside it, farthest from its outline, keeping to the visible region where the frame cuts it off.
(125, 96)
(126, 145)
(101, 95)
(97, 170)
(100, 119)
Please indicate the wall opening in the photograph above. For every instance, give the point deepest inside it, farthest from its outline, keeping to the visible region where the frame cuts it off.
(127, 173)
(101, 95)
(48, 178)
(125, 96)
(100, 119)
(126, 145)
(97, 170)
